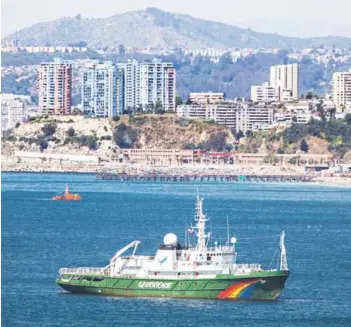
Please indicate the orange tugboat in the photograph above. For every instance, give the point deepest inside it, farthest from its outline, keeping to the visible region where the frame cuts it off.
(67, 196)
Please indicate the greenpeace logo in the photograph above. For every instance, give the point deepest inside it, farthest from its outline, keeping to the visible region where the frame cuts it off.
(161, 285)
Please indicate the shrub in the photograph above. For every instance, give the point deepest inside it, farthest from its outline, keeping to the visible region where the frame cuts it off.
(122, 127)
(43, 144)
(71, 132)
(248, 133)
(304, 146)
(12, 138)
(17, 124)
(125, 137)
(49, 129)
(21, 147)
(116, 118)
(189, 146)
(216, 142)
(105, 128)
(71, 121)
(105, 137)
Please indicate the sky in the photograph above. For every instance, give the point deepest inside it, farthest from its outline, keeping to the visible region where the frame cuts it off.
(300, 18)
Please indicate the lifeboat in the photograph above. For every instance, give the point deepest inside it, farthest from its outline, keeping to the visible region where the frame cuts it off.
(67, 196)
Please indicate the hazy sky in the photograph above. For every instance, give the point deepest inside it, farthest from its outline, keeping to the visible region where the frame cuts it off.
(294, 17)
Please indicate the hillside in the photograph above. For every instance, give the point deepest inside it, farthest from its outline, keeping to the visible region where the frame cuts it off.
(331, 137)
(159, 29)
(103, 137)
(234, 78)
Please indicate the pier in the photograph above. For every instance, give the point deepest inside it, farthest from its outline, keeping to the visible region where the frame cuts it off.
(202, 178)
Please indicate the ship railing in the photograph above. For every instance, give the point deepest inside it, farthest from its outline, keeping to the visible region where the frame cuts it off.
(242, 269)
(83, 271)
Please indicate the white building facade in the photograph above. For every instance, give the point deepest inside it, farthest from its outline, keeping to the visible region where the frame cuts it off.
(102, 90)
(341, 90)
(263, 93)
(236, 115)
(149, 83)
(206, 97)
(285, 80)
(55, 87)
(12, 110)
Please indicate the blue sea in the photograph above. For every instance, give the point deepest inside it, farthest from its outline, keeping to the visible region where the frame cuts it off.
(39, 236)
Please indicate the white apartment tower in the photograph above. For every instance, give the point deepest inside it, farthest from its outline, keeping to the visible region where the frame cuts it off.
(54, 87)
(102, 90)
(285, 79)
(12, 110)
(148, 83)
(341, 89)
(131, 71)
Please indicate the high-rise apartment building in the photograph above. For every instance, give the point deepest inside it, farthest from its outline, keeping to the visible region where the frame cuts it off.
(285, 79)
(12, 110)
(131, 70)
(263, 93)
(102, 90)
(147, 83)
(341, 89)
(55, 87)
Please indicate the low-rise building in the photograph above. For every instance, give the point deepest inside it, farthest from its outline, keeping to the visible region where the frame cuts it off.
(206, 97)
(254, 117)
(158, 157)
(263, 93)
(236, 115)
(222, 113)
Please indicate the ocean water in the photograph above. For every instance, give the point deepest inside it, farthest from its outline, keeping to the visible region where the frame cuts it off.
(39, 236)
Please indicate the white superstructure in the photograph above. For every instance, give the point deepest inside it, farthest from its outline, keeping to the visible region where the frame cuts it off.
(173, 261)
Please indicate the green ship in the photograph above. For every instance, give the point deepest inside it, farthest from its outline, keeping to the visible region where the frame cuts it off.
(192, 271)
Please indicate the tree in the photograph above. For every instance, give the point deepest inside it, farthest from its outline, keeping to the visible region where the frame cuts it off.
(309, 95)
(17, 124)
(116, 118)
(158, 106)
(178, 101)
(121, 49)
(49, 129)
(43, 144)
(70, 132)
(348, 119)
(188, 101)
(304, 146)
(239, 135)
(248, 133)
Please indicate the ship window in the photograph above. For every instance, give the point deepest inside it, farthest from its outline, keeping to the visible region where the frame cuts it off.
(98, 279)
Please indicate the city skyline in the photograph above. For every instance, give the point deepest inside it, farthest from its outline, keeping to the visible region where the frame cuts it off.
(263, 17)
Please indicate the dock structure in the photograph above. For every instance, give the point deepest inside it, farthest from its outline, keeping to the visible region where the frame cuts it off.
(202, 178)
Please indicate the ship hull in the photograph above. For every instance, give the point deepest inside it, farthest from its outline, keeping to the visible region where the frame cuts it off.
(258, 286)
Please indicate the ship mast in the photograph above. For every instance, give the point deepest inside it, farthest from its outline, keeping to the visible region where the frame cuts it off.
(283, 259)
(200, 225)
